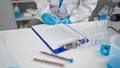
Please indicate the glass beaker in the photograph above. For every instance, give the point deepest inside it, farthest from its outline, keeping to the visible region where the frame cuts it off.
(114, 57)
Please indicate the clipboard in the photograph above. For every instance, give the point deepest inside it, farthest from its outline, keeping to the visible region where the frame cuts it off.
(55, 36)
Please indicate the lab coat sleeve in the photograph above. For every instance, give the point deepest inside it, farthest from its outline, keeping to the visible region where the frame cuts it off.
(83, 11)
(42, 7)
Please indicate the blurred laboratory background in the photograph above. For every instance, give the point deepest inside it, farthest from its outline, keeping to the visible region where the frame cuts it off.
(16, 14)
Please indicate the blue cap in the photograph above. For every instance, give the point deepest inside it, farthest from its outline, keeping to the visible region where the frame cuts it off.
(84, 40)
(103, 16)
(105, 49)
(70, 60)
(112, 18)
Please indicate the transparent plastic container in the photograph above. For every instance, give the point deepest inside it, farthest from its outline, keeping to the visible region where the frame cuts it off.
(6, 58)
(114, 57)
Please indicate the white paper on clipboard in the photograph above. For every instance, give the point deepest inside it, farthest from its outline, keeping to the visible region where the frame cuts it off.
(57, 35)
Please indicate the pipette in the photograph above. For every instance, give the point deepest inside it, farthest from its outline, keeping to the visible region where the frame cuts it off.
(66, 59)
(49, 62)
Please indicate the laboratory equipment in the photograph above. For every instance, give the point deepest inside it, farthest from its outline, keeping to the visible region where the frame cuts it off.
(99, 33)
(103, 23)
(6, 58)
(115, 17)
(17, 13)
(60, 57)
(49, 62)
(114, 57)
(105, 49)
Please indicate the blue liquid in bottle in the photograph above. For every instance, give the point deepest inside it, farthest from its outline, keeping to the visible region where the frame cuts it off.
(17, 13)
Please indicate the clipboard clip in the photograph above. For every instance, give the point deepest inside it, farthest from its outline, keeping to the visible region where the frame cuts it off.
(75, 44)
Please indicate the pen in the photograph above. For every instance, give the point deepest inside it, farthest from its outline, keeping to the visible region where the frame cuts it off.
(66, 59)
(49, 62)
(59, 6)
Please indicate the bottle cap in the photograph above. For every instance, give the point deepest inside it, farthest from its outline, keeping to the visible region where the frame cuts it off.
(105, 49)
(70, 60)
(112, 18)
(103, 16)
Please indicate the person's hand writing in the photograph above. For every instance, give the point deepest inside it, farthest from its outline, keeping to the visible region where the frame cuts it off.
(49, 19)
(65, 21)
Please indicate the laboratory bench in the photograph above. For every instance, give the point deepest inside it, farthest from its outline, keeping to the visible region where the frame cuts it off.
(24, 46)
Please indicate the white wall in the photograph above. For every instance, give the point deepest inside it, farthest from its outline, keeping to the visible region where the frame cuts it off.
(6, 15)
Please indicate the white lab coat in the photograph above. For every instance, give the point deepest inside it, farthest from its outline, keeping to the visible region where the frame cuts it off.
(79, 10)
(116, 10)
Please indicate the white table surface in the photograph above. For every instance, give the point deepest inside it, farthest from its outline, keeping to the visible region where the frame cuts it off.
(25, 46)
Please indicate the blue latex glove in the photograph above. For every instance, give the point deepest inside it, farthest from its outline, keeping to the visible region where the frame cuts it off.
(48, 19)
(65, 21)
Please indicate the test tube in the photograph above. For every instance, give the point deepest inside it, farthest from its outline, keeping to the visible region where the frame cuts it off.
(96, 34)
(99, 33)
(103, 25)
(6, 58)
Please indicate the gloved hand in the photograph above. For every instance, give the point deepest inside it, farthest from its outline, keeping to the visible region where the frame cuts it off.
(65, 21)
(49, 19)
